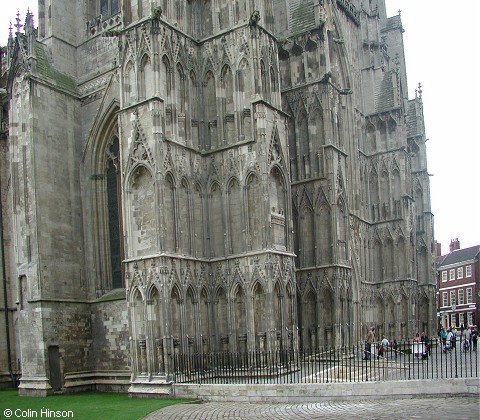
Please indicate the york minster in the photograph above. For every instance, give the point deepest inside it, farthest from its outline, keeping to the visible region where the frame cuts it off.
(197, 176)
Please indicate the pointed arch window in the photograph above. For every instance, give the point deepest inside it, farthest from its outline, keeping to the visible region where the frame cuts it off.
(109, 7)
(114, 213)
(264, 81)
(273, 85)
(210, 110)
(277, 209)
(228, 106)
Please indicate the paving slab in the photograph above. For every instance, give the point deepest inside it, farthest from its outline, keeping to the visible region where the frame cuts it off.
(455, 407)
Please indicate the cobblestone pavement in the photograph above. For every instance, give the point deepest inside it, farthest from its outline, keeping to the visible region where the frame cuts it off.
(457, 408)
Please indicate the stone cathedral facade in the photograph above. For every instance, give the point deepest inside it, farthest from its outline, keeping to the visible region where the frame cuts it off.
(199, 176)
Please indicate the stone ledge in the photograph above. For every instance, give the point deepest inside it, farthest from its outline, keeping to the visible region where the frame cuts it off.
(295, 393)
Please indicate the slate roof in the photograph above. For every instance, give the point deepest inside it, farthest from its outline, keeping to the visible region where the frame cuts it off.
(385, 98)
(459, 256)
(412, 119)
(50, 75)
(394, 22)
(302, 16)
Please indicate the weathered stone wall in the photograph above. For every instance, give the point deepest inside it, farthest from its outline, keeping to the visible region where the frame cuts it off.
(68, 326)
(110, 335)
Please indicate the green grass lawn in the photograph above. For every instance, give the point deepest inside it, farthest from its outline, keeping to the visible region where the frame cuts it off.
(88, 406)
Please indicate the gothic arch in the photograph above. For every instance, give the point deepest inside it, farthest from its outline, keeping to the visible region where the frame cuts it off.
(388, 259)
(326, 303)
(260, 323)
(235, 217)
(206, 330)
(138, 328)
(240, 314)
(307, 237)
(374, 195)
(274, 87)
(156, 325)
(305, 198)
(424, 272)
(396, 192)
(137, 299)
(194, 108)
(170, 218)
(166, 94)
(371, 140)
(254, 210)
(317, 139)
(380, 316)
(342, 230)
(424, 314)
(145, 82)
(279, 307)
(401, 259)
(181, 102)
(278, 207)
(107, 226)
(129, 83)
(198, 220)
(403, 315)
(382, 133)
(290, 303)
(309, 319)
(390, 318)
(176, 303)
(191, 316)
(377, 261)
(221, 317)
(216, 220)
(264, 86)
(185, 216)
(324, 233)
(304, 157)
(210, 111)
(420, 223)
(228, 105)
(140, 211)
(245, 92)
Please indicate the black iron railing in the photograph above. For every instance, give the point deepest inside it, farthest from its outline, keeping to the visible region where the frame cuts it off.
(408, 361)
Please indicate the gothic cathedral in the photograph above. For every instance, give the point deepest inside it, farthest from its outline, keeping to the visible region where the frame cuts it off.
(198, 176)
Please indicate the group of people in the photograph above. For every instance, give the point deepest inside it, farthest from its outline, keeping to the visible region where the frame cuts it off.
(382, 345)
(468, 338)
(424, 349)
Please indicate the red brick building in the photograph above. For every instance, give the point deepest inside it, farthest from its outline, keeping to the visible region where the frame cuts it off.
(458, 280)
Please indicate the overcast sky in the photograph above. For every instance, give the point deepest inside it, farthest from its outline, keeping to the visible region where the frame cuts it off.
(443, 54)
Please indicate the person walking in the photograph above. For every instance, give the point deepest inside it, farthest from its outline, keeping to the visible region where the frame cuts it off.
(467, 338)
(454, 337)
(395, 348)
(474, 339)
(382, 348)
(449, 341)
(369, 340)
(443, 337)
(426, 345)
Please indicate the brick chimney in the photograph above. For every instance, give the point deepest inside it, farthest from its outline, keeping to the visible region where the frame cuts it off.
(454, 245)
(438, 249)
